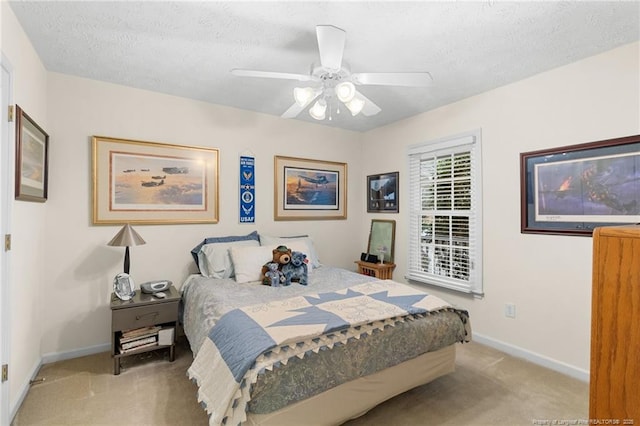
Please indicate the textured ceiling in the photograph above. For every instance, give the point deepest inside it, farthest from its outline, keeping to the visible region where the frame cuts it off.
(188, 48)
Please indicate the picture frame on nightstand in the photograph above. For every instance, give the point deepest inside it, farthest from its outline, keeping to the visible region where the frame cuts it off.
(123, 286)
(382, 239)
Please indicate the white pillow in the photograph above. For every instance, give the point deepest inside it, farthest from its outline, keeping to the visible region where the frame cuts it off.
(248, 262)
(303, 244)
(214, 259)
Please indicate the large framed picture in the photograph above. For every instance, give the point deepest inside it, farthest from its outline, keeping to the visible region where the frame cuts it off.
(572, 189)
(153, 183)
(382, 193)
(32, 159)
(309, 189)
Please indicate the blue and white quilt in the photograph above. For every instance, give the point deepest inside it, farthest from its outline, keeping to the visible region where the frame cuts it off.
(249, 340)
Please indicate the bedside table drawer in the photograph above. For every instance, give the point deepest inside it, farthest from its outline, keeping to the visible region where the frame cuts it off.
(142, 316)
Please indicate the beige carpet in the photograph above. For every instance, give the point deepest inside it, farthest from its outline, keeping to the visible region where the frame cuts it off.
(488, 388)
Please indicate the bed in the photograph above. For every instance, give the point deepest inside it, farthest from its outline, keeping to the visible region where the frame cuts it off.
(283, 355)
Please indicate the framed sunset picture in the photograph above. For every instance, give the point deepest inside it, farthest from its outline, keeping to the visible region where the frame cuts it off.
(148, 182)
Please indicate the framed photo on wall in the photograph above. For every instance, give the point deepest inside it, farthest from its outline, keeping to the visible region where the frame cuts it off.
(32, 159)
(382, 193)
(309, 189)
(572, 189)
(153, 183)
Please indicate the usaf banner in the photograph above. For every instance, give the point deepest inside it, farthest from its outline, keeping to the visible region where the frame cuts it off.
(247, 189)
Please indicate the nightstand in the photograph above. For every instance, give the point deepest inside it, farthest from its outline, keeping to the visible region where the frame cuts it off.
(384, 271)
(143, 317)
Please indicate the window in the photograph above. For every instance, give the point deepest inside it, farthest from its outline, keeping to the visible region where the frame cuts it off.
(445, 225)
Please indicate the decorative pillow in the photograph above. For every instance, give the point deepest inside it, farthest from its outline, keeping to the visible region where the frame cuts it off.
(215, 261)
(301, 243)
(248, 262)
(226, 239)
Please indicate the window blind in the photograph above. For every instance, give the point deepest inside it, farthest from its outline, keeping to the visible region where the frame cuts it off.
(445, 213)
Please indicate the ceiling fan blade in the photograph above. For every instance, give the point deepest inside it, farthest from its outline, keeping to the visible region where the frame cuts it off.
(411, 79)
(369, 107)
(272, 74)
(296, 108)
(331, 46)
(293, 111)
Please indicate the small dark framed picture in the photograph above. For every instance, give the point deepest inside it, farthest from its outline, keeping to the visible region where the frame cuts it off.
(32, 158)
(382, 193)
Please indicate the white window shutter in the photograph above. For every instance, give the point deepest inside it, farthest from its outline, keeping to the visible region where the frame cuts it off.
(445, 244)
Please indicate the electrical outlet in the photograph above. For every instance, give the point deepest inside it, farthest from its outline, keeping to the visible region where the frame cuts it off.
(510, 310)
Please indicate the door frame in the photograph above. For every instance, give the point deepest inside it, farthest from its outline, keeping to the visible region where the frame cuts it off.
(6, 202)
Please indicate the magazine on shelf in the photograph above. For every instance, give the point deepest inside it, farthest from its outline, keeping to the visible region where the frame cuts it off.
(138, 332)
(139, 342)
(147, 345)
(134, 338)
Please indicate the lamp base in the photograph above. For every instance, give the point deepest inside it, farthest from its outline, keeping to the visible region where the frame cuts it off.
(126, 260)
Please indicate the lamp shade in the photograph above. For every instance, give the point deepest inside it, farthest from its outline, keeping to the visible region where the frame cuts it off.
(304, 95)
(126, 237)
(355, 105)
(318, 110)
(345, 91)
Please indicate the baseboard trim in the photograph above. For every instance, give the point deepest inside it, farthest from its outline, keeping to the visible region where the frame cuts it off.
(47, 359)
(24, 389)
(536, 358)
(76, 353)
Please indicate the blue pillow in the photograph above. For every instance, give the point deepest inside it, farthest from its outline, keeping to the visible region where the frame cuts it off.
(226, 239)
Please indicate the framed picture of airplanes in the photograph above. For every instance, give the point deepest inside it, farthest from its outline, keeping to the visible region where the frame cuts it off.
(153, 183)
(573, 189)
(309, 189)
(382, 193)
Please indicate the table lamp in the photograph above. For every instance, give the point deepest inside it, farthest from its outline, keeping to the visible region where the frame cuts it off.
(125, 238)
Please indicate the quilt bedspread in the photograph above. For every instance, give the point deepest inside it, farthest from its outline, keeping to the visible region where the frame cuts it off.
(247, 341)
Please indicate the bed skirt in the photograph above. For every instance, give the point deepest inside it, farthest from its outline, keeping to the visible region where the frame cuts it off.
(355, 398)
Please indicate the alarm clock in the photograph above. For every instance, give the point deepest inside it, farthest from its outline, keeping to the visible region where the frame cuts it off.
(155, 286)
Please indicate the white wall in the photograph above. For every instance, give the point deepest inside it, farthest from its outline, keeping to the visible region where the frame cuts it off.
(61, 304)
(547, 277)
(80, 266)
(28, 244)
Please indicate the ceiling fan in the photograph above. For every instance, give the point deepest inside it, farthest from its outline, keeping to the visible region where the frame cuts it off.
(332, 79)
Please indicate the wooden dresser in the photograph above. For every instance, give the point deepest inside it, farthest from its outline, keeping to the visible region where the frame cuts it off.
(614, 388)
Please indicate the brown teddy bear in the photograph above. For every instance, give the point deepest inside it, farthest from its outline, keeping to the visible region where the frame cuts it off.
(281, 256)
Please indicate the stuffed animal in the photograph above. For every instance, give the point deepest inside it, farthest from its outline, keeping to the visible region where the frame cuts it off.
(296, 270)
(273, 276)
(281, 256)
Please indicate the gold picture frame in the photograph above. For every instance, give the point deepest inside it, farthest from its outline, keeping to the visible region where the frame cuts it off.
(141, 182)
(32, 159)
(308, 189)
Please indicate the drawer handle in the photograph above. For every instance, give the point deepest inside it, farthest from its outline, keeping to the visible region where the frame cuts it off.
(139, 317)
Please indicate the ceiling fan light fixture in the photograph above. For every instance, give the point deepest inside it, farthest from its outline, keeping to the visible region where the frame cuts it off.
(318, 110)
(355, 105)
(304, 95)
(345, 91)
